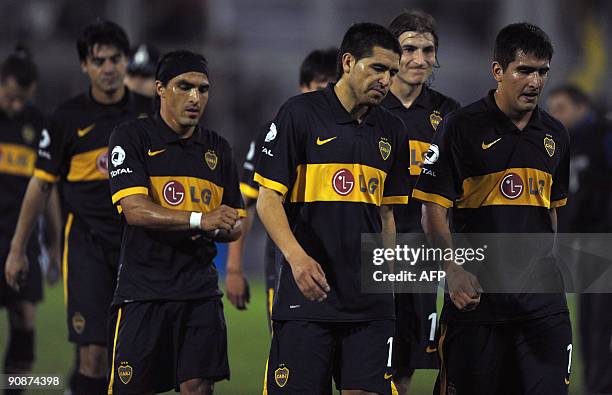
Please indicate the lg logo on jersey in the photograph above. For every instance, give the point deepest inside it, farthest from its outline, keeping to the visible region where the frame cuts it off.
(343, 183)
(512, 186)
(174, 194)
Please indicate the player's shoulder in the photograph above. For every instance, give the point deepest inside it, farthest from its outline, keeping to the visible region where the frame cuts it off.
(387, 118)
(441, 101)
(33, 114)
(552, 125)
(212, 139)
(296, 104)
(73, 105)
(134, 130)
(141, 104)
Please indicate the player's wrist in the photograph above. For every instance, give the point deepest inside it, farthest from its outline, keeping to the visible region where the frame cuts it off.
(196, 221)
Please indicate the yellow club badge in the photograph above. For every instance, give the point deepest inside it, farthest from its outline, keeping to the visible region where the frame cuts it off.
(78, 322)
(27, 133)
(549, 144)
(211, 159)
(281, 375)
(125, 371)
(435, 118)
(384, 147)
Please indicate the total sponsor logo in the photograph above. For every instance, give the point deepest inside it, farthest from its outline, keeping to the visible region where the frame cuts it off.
(343, 183)
(174, 193)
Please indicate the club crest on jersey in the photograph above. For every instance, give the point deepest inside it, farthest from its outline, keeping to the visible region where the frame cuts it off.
(211, 159)
(384, 147)
(78, 322)
(549, 144)
(27, 133)
(125, 371)
(435, 118)
(281, 375)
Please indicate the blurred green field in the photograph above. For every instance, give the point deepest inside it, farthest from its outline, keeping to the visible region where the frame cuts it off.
(248, 346)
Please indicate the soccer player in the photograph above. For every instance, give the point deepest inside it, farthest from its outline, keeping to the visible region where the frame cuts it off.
(333, 161)
(483, 162)
(73, 152)
(177, 186)
(316, 71)
(422, 109)
(20, 128)
(140, 77)
(588, 211)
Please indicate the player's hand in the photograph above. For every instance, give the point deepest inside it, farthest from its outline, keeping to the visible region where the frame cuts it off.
(223, 217)
(309, 277)
(464, 288)
(237, 289)
(54, 271)
(16, 269)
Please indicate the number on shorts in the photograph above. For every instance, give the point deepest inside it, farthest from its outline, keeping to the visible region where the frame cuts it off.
(432, 331)
(569, 360)
(390, 343)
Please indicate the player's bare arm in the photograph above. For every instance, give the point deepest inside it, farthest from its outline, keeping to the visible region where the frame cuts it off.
(463, 286)
(34, 202)
(307, 272)
(236, 285)
(553, 218)
(140, 210)
(53, 235)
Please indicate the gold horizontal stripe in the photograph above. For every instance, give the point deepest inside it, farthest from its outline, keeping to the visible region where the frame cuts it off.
(270, 184)
(186, 193)
(558, 203)
(417, 149)
(242, 212)
(89, 166)
(485, 190)
(17, 160)
(395, 200)
(431, 197)
(128, 192)
(315, 183)
(43, 175)
(248, 191)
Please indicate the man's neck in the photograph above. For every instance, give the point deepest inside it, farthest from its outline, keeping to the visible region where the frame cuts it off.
(406, 93)
(108, 97)
(519, 118)
(349, 101)
(183, 131)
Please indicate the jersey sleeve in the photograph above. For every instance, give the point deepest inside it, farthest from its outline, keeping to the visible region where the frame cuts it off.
(248, 186)
(127, 170)
(397, 184)
(51, 148)
(231, 186)
(439, 181)
(278, 159)
(560, 185)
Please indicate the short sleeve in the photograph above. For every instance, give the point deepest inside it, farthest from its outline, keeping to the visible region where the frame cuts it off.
(439, 179)
(560, 185)
(397, 184)
(278, 159)
(248, 186)
(231, 186)
(127, 170)
(51, 148)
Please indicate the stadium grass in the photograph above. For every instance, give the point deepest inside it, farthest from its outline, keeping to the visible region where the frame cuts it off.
(248, 346)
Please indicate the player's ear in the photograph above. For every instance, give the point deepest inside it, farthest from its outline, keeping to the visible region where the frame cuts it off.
(348, 62)
(160, 89)
(497, 71)
(84, 66)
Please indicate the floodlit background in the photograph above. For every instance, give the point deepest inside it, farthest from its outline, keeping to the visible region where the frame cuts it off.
(254, 49)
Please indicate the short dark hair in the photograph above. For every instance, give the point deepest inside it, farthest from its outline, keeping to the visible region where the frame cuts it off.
(524, 37)
(20, 66)
(576, 95)
(320, 63)
(361, 38)
(102, 32)
(414, 21)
